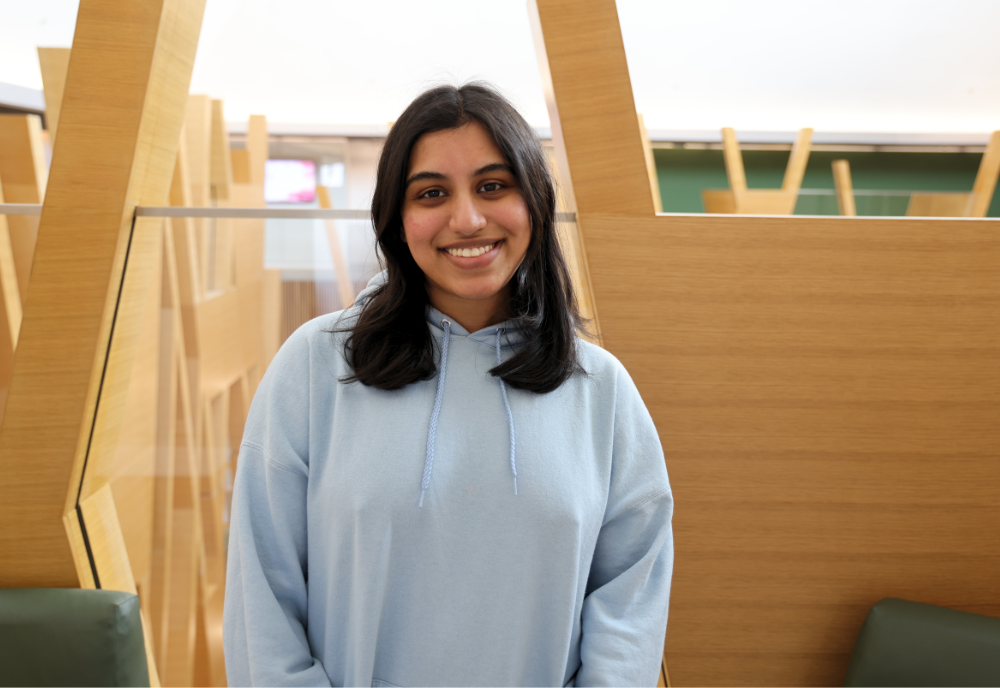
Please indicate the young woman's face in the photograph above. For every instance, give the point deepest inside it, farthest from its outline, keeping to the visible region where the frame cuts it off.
(465, 221)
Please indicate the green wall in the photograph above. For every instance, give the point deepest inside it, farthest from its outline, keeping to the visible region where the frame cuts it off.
(684, 173)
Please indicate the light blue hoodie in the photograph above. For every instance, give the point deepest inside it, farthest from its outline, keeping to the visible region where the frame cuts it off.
(337, 576)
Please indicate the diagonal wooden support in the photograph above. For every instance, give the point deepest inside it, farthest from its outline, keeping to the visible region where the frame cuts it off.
(123, 106)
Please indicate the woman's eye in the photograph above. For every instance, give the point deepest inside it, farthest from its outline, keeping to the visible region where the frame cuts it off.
(490, 187)
(431, 193)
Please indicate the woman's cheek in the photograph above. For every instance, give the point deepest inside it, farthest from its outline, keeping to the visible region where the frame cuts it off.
(419, 229)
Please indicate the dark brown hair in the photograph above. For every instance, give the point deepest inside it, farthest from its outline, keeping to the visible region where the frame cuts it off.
(390, 345)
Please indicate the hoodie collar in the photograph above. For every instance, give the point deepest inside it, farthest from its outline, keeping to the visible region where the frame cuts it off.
(512, 333)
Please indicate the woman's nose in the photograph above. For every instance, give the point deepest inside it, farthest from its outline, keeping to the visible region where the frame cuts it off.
(466, 217)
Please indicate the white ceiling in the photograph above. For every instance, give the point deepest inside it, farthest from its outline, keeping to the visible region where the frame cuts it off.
(849, 66)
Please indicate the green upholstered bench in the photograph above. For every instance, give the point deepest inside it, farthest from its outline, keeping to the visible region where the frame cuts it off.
(71, 637)
(913, 644)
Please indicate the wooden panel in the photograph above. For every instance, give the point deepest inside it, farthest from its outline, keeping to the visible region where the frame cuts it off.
(54, 63)
(23, 174)
(938, 204)
(123, 105)
(718, 201)
(825, 391)
(845, 190)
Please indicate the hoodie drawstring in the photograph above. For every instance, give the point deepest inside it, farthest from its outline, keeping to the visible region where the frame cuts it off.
(510, 416)
(432, 428)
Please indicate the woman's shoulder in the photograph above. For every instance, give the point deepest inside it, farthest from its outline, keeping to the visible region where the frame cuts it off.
(599, 363)
(319, 341)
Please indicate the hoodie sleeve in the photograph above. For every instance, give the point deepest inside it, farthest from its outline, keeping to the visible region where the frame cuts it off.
(624, 616)
(265, 613)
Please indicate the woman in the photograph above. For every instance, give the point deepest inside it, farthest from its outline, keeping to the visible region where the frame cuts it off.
(443, 485)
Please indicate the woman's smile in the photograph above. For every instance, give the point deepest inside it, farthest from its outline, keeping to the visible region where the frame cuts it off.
(474, 256)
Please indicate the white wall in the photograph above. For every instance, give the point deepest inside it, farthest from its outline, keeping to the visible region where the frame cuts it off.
(849, 65)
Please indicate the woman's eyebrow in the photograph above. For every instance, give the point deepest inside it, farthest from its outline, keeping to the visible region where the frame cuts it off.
(493, 167)
(485, 169)
(424, 175)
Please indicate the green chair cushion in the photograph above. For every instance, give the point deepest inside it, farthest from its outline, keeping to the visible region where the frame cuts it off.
(71, 637)
(913, 644)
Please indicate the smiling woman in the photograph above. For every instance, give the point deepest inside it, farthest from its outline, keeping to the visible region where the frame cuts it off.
(466, 223)
(400, 516)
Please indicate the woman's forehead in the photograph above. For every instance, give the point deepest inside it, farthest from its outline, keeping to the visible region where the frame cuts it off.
(458, 150)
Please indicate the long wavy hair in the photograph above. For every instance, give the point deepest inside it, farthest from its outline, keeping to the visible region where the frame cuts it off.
(389, 345)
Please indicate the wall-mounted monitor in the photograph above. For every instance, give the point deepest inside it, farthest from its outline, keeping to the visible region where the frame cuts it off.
(290, 181)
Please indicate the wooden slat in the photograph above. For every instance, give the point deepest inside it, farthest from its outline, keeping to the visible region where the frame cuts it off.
(734, 161)
(938, 204)
(54, 63)
(744, 201)
(257, 147)
(10, 309)
(718, 201)
(345, 287)
(845, 190)
(654, 180)
(123, 105)
(23, 174)
(198, 148)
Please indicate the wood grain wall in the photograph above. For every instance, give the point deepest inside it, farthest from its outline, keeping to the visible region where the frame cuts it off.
(825, 390)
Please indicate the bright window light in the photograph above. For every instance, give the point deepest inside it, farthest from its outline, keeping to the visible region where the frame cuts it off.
(290, 181)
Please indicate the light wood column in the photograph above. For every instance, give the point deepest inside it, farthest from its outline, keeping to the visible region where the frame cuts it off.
(123, 106)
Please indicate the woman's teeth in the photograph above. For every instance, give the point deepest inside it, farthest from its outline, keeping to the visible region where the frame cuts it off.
(471, 252)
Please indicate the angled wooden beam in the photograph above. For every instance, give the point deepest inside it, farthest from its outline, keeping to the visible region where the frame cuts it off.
(986, 179)
(797, 161)
(582, 58)
(123, 105)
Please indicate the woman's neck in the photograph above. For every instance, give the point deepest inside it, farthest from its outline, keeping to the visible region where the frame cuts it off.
(473, 315)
